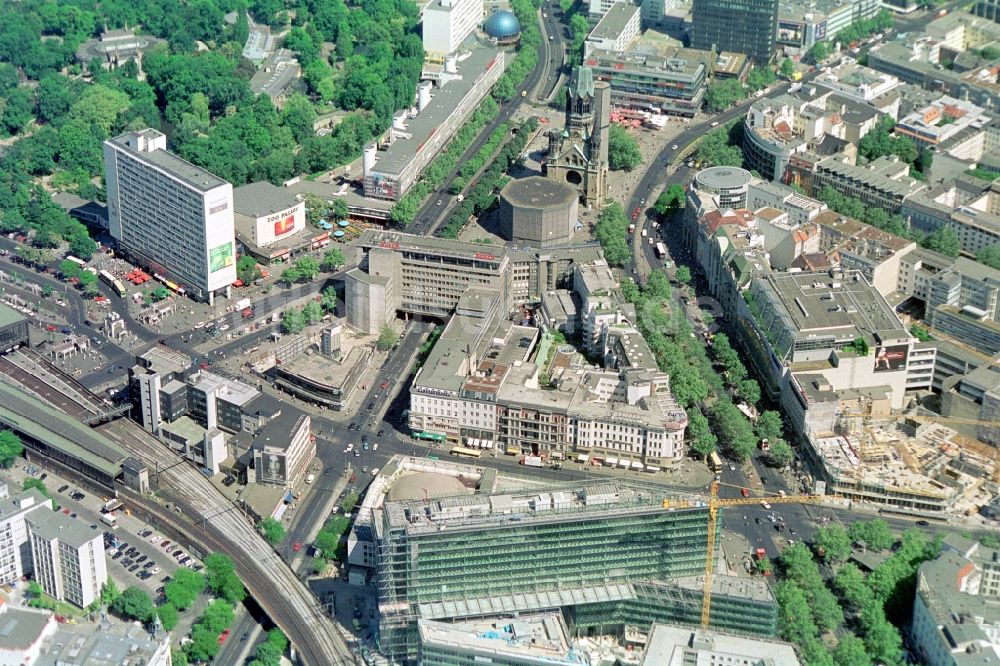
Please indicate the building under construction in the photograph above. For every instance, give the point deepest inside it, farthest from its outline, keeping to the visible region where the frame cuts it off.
(610, 554)
(914, 466)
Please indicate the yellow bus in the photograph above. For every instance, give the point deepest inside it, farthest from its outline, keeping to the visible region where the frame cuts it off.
(714, 462)
(463, 452)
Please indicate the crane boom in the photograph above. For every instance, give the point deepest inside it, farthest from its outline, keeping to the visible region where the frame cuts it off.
(714, 503)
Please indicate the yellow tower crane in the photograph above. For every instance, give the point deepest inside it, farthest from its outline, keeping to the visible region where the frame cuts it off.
(714, 503)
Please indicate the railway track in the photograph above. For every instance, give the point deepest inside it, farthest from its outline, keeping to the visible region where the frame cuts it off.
(205, 516)
(195, 510)
(38, 376)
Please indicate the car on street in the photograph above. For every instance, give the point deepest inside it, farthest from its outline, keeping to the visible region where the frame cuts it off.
(923, 523)
(745, 492)
(165, 544)
(223, 636)
(375, 471)
(200, 324)
(244, 637)
(375, 446)
(117, 555)
(142, 558)
(353, 426)
(440, 201)
(674, 147)
(62, 489)
(380, 433)
(766, 505)
(384, 385)
(133, 568)
(365, 445)
(297, 546)
(365, 469)
(155, 570)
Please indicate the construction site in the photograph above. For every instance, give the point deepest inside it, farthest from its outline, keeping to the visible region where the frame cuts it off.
(915, 465)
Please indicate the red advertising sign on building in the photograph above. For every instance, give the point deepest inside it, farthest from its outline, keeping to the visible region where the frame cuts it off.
(389, 245)
(485, 256)
(284, 225)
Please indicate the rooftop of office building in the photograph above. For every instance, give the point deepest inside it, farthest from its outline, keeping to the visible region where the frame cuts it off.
(558, 502)
(615, 20)
(882, 173)
(430, 245)
(164, 360)
(474, 60)
(262, 198)
(447, 368)
(21, 627)
(51, 525)
(195, 176)
(226, 388)
(673, 645)
(841, 304)
(538, 637)
(938, 585)
(10, 506)
(597, 277)
(106, 643)
(669, 62)
(277, 432)
(325, 371)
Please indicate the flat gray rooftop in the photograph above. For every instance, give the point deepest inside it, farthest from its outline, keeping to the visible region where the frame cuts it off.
(395, 240)
(444, 100)
(9, 315)
(262, 198)
(724, 178)
(194, 176)
(23, 411)
(51, 525)
(538, 192)
(817, 303)
(614, 21)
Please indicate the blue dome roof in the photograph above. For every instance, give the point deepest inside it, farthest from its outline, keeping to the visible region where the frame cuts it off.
(502, 25)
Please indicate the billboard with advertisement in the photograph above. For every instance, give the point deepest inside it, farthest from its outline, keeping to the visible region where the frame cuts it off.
(891, 359)
(820, 31)
(220, 257)
(284, 224)
(790, 32)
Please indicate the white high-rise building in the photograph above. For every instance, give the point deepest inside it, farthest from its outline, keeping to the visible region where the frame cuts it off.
(170, 215)
(15, 551)
(447, 23)
(68, 558)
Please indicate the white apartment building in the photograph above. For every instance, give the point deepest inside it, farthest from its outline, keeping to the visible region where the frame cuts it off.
(15, 551)
(68, 556)
(447, 23)
(616, 29)
(169, 215)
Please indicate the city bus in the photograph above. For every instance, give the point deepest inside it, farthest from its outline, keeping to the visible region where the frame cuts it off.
(463, 452)
(714, 462)
(661, 250)
(113, 282)
(79, 262)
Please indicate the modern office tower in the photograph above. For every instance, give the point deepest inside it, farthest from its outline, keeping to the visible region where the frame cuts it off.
(578, 154)
(447, 23)
(68, 558)
(743, 26)
(15, 551)
(570, 544)
(170, 215)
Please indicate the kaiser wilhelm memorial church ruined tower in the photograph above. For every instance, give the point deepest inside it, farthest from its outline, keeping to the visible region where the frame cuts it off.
(578, 154)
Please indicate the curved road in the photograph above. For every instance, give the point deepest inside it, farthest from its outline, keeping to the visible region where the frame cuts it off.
(440, 201)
